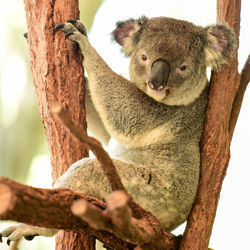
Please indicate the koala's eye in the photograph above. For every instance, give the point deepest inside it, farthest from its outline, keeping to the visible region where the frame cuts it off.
(183, 67)
(143, 57)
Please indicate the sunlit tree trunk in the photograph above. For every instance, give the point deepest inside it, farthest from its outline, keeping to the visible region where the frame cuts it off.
(58, 77)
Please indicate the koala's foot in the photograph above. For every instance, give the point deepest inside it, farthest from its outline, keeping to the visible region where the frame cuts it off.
(16, 232)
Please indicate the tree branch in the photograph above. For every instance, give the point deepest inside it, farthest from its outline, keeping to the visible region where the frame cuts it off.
(46, 203)
(117, 219)
(91, 143)
(115, 226)
(244, 80)
(215, 141)
(58, 77)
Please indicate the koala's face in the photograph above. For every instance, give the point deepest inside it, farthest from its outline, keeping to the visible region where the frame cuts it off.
(169, 57)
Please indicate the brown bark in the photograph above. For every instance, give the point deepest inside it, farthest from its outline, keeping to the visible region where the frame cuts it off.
(52, 210)
(57, 77)
(221, 115)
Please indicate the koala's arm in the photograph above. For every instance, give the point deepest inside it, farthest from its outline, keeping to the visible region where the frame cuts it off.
(94, 122)
(118, 102)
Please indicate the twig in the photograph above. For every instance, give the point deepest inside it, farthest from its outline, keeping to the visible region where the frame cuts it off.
(244, 80)
(94, 216)
(117, 219)
(92, 144)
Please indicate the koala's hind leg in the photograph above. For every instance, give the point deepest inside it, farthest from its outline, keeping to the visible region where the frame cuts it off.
(147, 186)
(86, 176)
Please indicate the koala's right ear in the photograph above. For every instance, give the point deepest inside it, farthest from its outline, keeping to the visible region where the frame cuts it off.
(128, 33)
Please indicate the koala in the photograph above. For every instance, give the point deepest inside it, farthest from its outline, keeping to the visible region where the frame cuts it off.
(156, 117)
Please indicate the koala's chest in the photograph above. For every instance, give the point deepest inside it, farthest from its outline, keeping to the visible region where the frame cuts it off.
(143, 138)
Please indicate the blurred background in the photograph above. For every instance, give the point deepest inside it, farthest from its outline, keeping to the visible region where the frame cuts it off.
(24, 154)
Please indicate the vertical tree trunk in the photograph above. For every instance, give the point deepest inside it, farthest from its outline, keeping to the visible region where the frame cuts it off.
(57, 77)
(215, 141)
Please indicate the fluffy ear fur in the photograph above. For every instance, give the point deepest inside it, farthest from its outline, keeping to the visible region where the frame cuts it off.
(220, 45)
(127, 33)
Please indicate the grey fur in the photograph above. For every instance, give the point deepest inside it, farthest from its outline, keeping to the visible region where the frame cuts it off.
(158, 132)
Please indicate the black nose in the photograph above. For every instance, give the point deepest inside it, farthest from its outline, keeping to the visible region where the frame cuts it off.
(159, 75)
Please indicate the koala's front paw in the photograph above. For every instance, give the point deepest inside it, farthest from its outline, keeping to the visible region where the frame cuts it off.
(75, 31)
(16, 232)
(72, 28)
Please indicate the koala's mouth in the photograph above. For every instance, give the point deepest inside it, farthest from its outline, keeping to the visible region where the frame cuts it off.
(158, 95)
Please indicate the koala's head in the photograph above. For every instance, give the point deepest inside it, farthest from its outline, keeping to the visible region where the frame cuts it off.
(169, 57)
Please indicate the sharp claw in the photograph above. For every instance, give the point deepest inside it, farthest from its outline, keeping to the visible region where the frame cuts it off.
(68, 34)
(8, 242)
(30, 237)
(58, 27)
(71, 21)
(81, 28)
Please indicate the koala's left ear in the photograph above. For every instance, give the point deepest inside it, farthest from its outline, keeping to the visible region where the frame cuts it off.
(127, 33)
(220, 45)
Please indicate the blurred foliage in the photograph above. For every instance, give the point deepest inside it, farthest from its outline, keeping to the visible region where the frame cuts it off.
(23, 139)
(88, 9)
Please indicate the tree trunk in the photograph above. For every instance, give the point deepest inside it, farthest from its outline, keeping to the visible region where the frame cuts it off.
(216, 139)
(58, 77)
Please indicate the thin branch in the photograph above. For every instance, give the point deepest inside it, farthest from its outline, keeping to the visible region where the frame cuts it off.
(92, 144)
(93, 215)
(244, 80)
(117, 219)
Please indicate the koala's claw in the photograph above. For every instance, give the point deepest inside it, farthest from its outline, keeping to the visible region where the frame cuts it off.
(71, 26)
(68, 34)
(58, 27)
(14, 233)
(30, 237)
(80, 26)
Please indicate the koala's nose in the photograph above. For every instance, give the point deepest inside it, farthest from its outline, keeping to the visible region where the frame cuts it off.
(159, 75)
